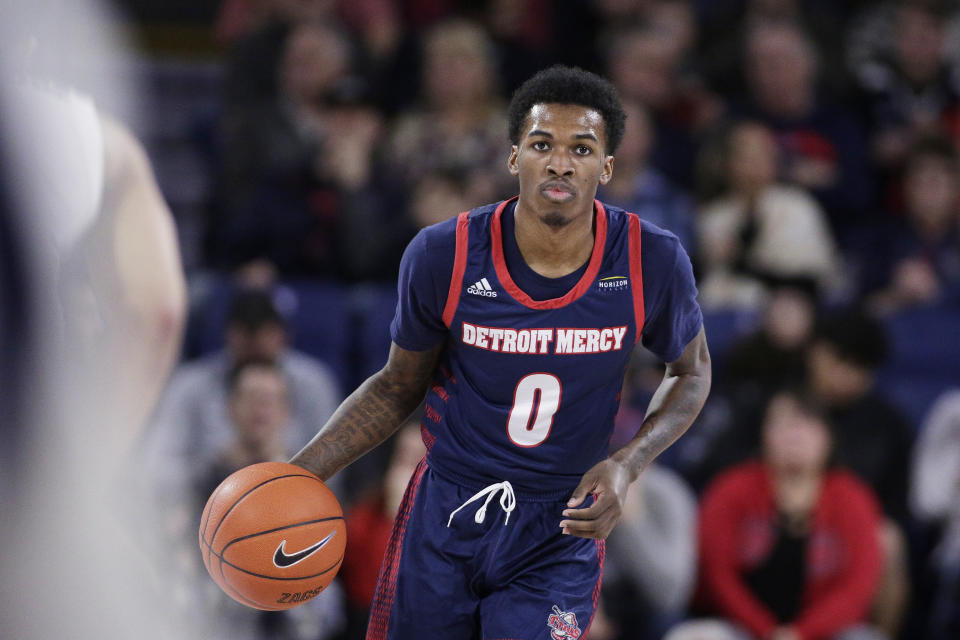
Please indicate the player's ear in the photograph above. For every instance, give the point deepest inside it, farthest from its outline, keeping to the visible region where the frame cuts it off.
(607, 171)
(512, 164)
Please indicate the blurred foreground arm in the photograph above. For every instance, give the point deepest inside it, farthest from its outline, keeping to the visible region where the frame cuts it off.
(139, 279)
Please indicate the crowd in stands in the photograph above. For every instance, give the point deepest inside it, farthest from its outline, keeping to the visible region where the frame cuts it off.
(805, 153)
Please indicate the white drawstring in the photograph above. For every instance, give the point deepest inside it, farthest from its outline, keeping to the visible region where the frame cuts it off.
(507, 502)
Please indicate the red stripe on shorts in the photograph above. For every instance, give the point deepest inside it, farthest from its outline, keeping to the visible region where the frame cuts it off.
(601, 556)
(387, 583)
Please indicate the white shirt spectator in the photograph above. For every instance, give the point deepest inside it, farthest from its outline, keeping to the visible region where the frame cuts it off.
(935, 486)
(792, 240)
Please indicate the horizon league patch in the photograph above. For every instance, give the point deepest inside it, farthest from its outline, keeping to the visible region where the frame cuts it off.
(614, 283)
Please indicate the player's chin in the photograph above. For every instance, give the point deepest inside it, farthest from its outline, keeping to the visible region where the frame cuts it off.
(555, 219)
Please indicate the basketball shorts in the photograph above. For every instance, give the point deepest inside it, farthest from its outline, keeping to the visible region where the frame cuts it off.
(501, 570)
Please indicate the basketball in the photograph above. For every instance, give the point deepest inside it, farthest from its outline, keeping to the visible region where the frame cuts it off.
(272, 535)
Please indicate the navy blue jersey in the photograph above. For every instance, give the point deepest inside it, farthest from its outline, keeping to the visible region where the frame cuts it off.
(528, 385)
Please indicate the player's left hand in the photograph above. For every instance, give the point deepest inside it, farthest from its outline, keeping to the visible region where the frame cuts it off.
(607, 481)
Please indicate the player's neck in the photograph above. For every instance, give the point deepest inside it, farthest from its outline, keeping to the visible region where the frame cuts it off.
(550, 250)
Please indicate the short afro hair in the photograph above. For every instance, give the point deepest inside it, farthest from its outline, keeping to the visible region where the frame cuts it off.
(569, 85)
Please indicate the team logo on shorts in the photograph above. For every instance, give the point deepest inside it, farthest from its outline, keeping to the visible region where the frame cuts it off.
(563, 624)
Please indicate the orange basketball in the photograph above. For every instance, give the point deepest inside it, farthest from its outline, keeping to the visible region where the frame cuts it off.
(272, 535)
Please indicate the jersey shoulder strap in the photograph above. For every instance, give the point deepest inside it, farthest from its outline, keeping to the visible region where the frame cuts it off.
(459, 267)
(636, 270)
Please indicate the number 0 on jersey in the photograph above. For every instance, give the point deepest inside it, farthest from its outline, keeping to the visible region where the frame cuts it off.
(535, 401)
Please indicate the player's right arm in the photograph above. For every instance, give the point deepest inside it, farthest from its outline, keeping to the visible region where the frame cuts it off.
(371, 413)
(380, 405)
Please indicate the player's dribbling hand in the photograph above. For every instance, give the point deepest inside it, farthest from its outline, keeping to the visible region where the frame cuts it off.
(607, 481)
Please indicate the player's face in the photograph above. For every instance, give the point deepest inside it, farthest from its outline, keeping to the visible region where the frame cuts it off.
(560, 160)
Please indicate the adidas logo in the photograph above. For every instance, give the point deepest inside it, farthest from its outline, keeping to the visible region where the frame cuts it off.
(482, 288)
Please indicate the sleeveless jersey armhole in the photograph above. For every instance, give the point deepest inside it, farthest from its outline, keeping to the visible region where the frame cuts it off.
(636, 272)
(459, 267)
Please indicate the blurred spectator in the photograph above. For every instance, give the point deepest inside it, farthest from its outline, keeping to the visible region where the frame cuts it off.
(915, 259)
(379, 26)
(259, 413)
(299, 176)
(460, 124)
(192, 424)
(523, 33)
(387, 34)
(756, 227)
(789, 546)
(774, 355)
(652, 555)
(724, 24)
(762, 362)
(872, 438)
(911, 86)
(603, 627)
(258, 406)
(677, 19)
(935, 499)
(822, 148)
(645, 62)
(438, 196)
(256, 31)
(642, 189)
(369, 524)
(237, 18)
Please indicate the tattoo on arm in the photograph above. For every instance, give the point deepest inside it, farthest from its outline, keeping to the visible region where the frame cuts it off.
(675, 405)
(371, 413)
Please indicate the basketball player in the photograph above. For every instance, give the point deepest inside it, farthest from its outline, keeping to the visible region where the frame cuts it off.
(102, 290)
(517, 319)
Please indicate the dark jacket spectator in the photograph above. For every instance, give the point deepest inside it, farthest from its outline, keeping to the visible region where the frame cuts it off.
(911, 86)
(914, 259)
(872, 438)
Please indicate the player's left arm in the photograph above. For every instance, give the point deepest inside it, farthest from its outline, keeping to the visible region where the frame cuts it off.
(673, 408)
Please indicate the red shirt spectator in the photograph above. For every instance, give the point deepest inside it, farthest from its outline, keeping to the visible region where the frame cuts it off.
(738, 530)
(368, 529)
